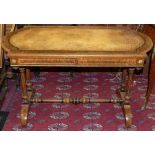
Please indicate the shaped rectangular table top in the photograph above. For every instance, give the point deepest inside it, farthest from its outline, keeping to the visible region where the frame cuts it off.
(77, 46)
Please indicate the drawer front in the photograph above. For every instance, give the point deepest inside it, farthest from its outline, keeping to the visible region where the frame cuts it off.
(43, 61)
(80, 61)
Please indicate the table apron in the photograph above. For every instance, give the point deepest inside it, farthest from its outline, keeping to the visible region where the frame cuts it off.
(79, 61)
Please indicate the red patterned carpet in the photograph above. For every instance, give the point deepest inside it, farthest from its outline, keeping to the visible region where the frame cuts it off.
(88, 117)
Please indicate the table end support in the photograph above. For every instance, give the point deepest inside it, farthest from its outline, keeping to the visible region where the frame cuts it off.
(128, 115)
(24, 114)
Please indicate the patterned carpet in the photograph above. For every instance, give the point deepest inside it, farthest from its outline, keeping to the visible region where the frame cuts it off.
(88, 117)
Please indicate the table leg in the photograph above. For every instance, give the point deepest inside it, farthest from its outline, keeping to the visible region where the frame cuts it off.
(130, 80)
(128, 115)
(25, 105)
(23, 83)
(123, 81)
(151, 80)
(28, 79)
(24, 114)
(126, 104)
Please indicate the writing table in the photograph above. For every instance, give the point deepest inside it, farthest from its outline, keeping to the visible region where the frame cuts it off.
(77, 46)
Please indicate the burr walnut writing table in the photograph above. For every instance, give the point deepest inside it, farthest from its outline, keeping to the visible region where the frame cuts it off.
(77, 46)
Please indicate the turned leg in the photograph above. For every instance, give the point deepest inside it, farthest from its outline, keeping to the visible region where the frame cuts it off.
(126, 97)
(123, 81)
(151, 80)
(28, 79)
(17, 77)
(28, 75)
(25, 106)
(130, 80)
(23, 83)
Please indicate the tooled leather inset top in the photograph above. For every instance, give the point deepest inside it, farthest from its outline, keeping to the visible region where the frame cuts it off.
(77, 39)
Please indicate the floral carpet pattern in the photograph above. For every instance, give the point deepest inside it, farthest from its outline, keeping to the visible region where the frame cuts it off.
(81, 117)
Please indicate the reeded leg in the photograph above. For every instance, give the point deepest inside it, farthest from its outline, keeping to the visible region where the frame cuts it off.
(151, 81)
